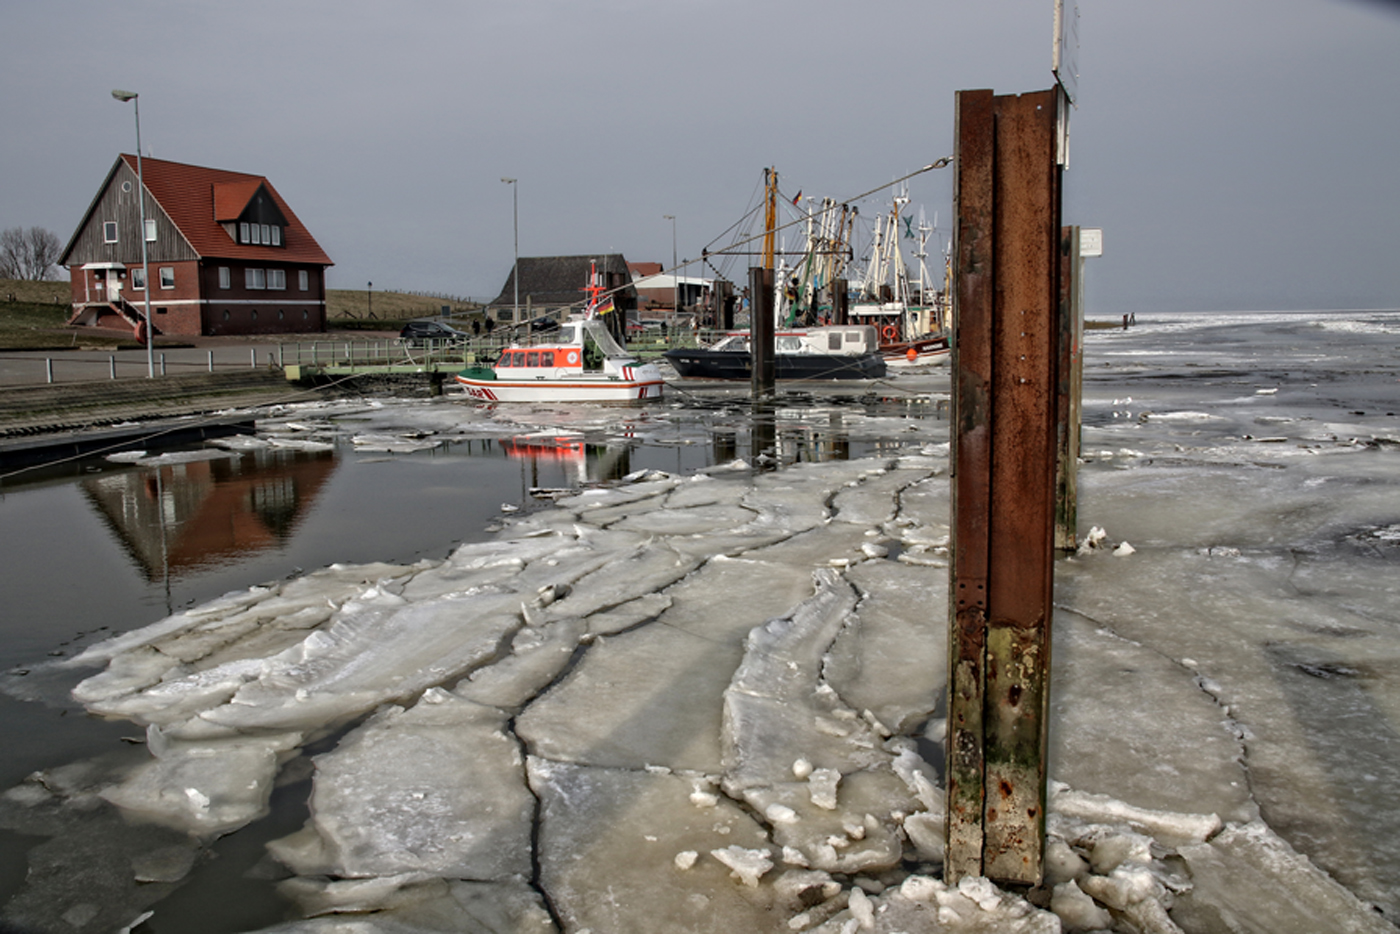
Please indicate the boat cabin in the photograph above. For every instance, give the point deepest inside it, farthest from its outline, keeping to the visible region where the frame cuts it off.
(853, 340)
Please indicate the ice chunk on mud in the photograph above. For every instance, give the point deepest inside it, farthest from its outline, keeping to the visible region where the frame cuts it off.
(608, 842)
(436, 788)
(203, 788)
(1186, 756)
(921, 903)
(379, 648)
(892, 659)
(624, 576)
(431, 907)
(859, 835)
(652, 696)
(537, 655)
(777, 710)
(1251, 880)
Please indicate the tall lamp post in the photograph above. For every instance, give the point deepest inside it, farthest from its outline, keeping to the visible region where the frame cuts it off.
(675, 271)
(515, 214)
(132, 96)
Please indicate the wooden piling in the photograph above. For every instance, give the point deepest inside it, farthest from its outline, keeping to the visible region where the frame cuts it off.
(1005, 391)
(1071, 379)
(761, 333)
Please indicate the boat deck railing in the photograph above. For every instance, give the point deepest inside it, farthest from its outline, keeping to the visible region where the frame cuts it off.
(351, 357)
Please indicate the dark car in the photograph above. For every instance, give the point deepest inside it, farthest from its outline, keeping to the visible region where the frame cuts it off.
(419, 333)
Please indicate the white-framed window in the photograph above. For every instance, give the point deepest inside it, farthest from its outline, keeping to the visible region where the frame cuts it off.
(138, 278)
(303, 280)
(109, 231)
(266, 234)
(225, 277)
(243, 232)
(276, 235)
(167, 277)
(254, 279)
(277, 278)
(150, 230)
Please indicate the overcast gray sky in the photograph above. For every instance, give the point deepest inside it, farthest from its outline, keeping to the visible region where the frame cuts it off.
(1239, 154)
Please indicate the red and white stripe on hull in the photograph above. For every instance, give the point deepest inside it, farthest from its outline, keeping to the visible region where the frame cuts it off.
(561, 390)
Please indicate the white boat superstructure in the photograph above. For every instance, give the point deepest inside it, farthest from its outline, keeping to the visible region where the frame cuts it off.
(583, 364)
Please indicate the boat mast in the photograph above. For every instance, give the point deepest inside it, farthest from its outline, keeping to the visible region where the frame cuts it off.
(770, 214)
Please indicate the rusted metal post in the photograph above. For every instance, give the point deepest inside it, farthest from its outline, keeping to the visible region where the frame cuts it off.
(1071, 378)
(1005, 389)
(761, 328)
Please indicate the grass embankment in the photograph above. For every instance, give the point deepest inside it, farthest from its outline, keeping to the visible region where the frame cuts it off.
(33, 315)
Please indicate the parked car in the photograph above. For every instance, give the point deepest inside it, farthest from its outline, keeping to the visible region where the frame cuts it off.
(419, 333)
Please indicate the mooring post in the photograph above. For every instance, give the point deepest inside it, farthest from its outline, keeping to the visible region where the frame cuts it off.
(1005, 392)
(1071, 380)
(761, 328)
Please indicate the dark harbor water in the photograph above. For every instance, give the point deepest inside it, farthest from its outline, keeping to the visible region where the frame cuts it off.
(100, 547)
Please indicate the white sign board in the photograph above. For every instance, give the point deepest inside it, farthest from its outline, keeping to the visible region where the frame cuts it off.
(1090, 241)
(1064, 61)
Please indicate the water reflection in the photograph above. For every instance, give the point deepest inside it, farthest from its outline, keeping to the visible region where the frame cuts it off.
(176, 519)
(582, 461)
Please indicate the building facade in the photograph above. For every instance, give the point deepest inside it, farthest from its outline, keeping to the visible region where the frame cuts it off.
(226, 254)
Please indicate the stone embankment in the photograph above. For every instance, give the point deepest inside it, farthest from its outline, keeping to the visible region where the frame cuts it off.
(40, 423)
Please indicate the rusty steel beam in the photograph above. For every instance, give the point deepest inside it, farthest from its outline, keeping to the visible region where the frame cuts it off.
(1005, 391)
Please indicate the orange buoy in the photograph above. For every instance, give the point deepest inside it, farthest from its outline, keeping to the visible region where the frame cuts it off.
(911, 354)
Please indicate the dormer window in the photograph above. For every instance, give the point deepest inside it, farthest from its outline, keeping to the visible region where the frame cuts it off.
(259, 234)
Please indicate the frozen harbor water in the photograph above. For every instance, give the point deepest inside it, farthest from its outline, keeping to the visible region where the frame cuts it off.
(711, 699)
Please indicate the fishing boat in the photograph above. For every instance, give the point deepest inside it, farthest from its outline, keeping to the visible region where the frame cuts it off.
(910, 315)
(831, 352)
(582, 363)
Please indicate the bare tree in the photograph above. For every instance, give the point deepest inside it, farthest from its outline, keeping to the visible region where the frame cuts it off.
(29, 254)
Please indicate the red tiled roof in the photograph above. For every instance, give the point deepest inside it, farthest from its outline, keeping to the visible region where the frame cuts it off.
(230, 198)
(187, 193)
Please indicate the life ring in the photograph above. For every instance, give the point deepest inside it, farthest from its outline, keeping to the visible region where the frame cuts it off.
(573, 357)
(888, 332)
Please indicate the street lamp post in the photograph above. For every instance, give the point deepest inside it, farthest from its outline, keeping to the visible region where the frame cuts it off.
(132, 96)
(515, 214)
(675, 272)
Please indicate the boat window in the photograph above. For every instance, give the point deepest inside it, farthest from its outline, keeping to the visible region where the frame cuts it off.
(520, 358)
(566, 334)
(546, 358)
(532, 358)
(833, 341)
(789, 344)
(504, 361)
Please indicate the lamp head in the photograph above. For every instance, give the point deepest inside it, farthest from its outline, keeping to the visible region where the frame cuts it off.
(508, 181)
(124, 96)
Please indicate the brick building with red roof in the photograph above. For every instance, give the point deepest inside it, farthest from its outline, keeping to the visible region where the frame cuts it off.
(226, 255)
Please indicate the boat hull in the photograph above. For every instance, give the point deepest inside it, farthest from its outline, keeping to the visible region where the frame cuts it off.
(692, 363)
(932, 352)
(581, 389)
